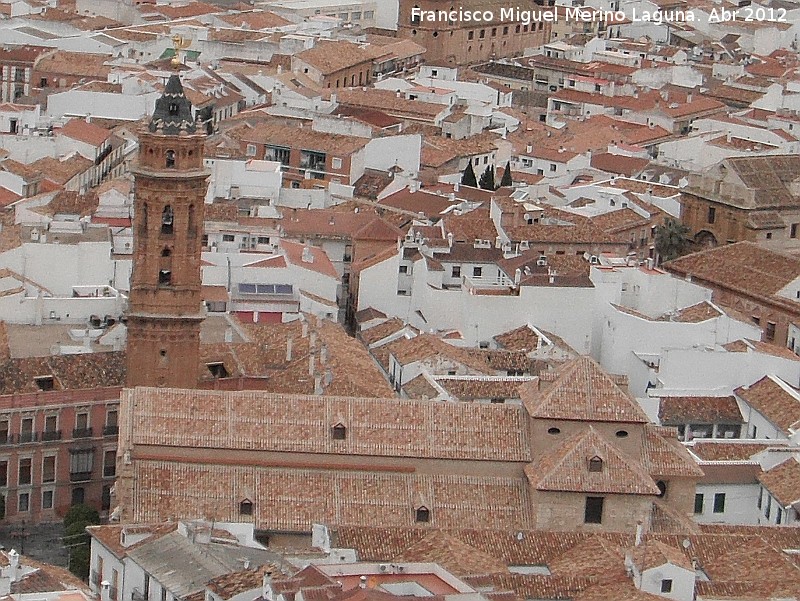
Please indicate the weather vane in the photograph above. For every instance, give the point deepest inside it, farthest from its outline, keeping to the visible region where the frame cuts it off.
(179, 43)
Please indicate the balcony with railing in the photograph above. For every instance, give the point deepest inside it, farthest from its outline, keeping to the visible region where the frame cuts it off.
(26, 437)
(82, 433)
(110, 430)
(109, 471)
(49, 435)
(80, 476)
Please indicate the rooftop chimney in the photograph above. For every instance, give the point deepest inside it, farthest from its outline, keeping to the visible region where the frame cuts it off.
(362, 582)
(639, 533)
(307, 256)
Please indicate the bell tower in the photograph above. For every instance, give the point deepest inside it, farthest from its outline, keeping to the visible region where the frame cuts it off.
(165, 305)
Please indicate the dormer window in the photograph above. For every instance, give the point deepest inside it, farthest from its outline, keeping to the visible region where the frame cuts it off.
(423, 514)
(173, 108)
(246, 507)
(595, 464)
(339, 432)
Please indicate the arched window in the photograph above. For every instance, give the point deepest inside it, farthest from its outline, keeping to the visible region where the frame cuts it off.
(246, 507)
(167, 220)
(423, 514)
(595, 464)
(170, 159)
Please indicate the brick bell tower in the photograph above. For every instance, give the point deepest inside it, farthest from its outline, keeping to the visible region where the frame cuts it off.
(165, 305)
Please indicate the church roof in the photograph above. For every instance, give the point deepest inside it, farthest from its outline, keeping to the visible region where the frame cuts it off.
(173, 112)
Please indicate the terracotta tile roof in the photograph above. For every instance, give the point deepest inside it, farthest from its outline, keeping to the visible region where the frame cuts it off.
(420, 388)
(665, 456)
(388, 102)
(382, 330)
(305, 138)
(522, 338)
(235, 583)
(678, 410)
(77, 64)
(621, 164)
(68, 371)
(783, 482)
(256, 19)
(61, 171)
(90, 133)
(723, 450)
(319, 261)
(744, 267)
(469, 388)
(294, 498)
(453, 554)
(333, 56)
(110, 536)
(297, 423)
(582, 391)
(567, 469)
(424, 346)
(775, 400)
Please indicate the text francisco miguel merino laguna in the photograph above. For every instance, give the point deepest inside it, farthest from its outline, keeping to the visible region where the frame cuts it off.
(526, 16)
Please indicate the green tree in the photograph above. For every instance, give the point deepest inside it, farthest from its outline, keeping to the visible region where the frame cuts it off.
(77, 540)
(672, 240)
(81, 513)
(487, 179)
(506, 181)
(468, 178)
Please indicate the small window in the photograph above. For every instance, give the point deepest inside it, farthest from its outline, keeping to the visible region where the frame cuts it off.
(554, 430)
(770, 331)
(719, 502)
(593, 513)
(456, 273)
(769, 235)
(712, 215)
(24, 502)
(164, 277)
(169, 159)
(622, 434)
(228, 238)
(698, 503)
(595, 464)
(471, 35)
(793, 232)
(246, 507)
(666, 585)
(217, 370)
(336, 163)
(404, 269)
(477, 272)
(662, 488)
(47, 499)
(339, 432)
(251, 150)
(423, 515)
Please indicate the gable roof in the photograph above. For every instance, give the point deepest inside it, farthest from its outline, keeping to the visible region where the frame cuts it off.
(567, 469)
(783, 482)
(775, 400)
(583, 391)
